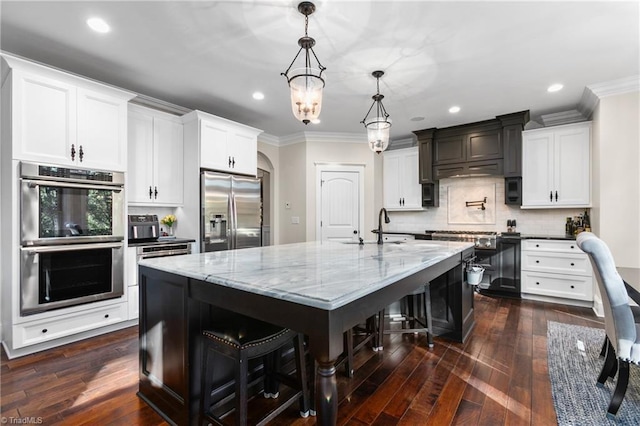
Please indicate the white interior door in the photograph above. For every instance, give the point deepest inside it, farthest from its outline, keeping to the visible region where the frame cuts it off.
(340, 205)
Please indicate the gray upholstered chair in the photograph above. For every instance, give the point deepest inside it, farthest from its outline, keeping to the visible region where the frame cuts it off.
(623, 333)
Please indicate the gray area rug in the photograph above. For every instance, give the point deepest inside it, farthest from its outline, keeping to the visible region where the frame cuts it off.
(574, 366)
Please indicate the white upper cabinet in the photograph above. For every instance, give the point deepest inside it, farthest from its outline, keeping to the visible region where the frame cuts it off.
(401, 187)
(224, 145)
(156, 157)
(556, 166)
(60, 119)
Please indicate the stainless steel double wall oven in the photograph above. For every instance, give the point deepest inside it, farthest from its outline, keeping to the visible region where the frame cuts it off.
(72, 235)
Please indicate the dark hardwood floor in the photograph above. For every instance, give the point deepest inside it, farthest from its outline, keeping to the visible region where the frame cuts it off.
(499, 376)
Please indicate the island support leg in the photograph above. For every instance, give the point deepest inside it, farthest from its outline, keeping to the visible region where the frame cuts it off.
(326, 394)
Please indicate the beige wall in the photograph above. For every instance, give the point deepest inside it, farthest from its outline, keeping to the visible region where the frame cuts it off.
(616, 176)
(347, 154)
(294, 178)
(292, 186)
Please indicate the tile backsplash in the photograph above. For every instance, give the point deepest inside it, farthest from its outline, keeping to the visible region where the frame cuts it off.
(458, 217)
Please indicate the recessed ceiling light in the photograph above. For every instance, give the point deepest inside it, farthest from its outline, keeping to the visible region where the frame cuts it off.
(98, 25)
(258, 96)
(416, 118)
(454, 109)
(555, 87)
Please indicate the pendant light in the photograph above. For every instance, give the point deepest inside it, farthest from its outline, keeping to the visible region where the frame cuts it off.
(306, 82)
(378, 126)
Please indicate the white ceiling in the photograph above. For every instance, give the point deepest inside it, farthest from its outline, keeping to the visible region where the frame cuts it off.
(489, 58)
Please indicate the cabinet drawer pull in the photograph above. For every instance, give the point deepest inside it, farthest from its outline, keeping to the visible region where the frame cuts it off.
(573, 264)
(537, 245)
(44, 330)
(572, 247)
(106, 315)
(573, 286)
(537, 261)
(537, 283)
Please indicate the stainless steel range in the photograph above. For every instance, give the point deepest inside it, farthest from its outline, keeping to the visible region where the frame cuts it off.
(482, 240)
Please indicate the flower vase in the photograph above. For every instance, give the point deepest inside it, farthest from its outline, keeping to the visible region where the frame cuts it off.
(170, 231)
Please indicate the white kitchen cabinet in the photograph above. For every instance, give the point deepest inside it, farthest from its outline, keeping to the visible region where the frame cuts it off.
(401, 187)
(556, 166)
(556, 269)
(132, 288)
(224, 145)
(44, 330)
(61, 119)
(155, 157)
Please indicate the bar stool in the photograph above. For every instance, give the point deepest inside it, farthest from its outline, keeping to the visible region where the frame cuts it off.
(242, 338)
(363, 334)
(420, 299)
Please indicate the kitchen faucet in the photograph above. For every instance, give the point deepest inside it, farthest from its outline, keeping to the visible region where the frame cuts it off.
(386, 220)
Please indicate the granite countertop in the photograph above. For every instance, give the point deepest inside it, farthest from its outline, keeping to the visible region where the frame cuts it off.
(325, 275)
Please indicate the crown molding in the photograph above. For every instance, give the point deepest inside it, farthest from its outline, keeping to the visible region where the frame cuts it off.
(268, 139)
(564, 117)
(594, 92)
(149, 102)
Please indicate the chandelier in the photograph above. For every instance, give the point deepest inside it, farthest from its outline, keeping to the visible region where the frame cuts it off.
(378, 126)
(306, 83)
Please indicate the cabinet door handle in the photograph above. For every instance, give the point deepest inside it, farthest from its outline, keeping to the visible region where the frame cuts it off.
(550, 196)
(233, 162)
(81, 154)
(155, 192)
(73, 152)
(556, 196)
(150, 193)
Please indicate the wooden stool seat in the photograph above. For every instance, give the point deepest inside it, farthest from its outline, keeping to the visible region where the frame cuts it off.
(242, 338)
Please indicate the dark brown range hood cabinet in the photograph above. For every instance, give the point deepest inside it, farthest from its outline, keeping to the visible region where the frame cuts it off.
(485, 148)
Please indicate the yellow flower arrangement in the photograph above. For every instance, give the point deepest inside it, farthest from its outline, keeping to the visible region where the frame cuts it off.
(169, 220)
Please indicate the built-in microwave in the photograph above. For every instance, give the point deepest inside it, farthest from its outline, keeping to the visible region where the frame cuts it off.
(64, 206)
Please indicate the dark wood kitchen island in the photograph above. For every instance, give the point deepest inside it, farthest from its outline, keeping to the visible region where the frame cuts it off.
(319, 289)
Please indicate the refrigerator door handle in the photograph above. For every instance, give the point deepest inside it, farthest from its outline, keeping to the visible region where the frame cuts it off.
(232, 220)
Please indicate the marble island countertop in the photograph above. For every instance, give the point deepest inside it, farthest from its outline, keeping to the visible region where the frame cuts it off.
(325, 275)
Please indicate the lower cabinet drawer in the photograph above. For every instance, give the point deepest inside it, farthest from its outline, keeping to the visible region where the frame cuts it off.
(66, 325)
(556, 262)
(566, 246)
(566, 286)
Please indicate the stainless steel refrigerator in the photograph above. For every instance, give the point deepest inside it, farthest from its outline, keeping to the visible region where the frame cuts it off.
(231, 211)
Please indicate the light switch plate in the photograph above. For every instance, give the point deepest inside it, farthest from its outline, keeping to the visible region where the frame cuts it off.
(295, 220)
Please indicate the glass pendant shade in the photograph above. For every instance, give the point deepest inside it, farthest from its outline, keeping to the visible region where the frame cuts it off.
(306, 83)
(377, 127)
(378, 133)
(306, 93)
